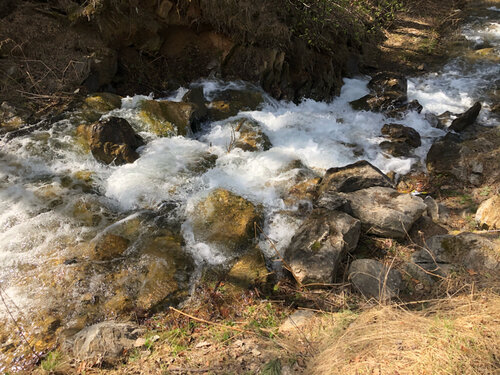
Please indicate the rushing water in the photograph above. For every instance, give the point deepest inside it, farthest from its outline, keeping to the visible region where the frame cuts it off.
(46, 176)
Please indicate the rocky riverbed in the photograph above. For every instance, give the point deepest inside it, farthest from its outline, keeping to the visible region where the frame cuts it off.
(119, 208)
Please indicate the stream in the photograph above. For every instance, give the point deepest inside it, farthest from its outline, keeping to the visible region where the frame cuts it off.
(55, 197)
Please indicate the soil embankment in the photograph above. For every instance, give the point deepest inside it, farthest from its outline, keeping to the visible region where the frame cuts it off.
(292, 49)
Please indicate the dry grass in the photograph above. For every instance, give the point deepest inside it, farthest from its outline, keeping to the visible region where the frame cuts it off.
(456, 336)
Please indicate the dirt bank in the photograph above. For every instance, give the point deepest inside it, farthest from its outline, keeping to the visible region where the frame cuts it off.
(293, 49)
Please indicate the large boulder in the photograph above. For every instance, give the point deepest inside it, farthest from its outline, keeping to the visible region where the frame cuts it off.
(317, 247)
(226, 221)
(374, 279)
(385, 212)
(166, 118)
(113, 140)
(488, 213)
(105, 342)
(466, 119)
(446, 253)
(352, 177)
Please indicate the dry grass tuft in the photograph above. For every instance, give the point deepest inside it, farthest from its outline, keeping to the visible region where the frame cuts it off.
(455, 336)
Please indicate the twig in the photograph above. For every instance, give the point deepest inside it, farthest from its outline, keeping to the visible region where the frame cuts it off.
(190, 369)
(211, 323)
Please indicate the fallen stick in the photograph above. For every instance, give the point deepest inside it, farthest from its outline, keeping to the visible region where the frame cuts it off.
(211, 323)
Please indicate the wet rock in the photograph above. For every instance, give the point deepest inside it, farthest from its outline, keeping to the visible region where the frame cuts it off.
(108, 247)
(446, 253)
(166, 271)
(486, 54)
(113, 140)
(250, 136)
(229, 103)
(375, 103)
(401, 133)
(202, 163)
(352, 177)
(400, 111)
(195, 96)
(384, 82)
(304, 190)
(249, 271)
(385, 212)
(105, 342)
(388, 91)
(166, 118)
(318, 245)
(10, 117)
(86, 211)
(375, 280)
(434, 120)
(225, 220)
(444, 154)
(488, 213)
(466, 119)
(396, 148)
(102, 102)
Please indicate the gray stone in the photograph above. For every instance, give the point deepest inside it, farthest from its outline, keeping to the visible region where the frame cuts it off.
(385, 212)
(105, 342)
(432, 208)
(446, 253)
(352, 177)
(375, 280)
(318, 245)
(488, 213)
(466, 119)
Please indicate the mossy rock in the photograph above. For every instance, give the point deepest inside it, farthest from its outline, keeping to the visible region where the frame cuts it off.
(163, 273)
(251, 137)
(304, 190)
(86, 212)
(249, 271)
(226, 221)
(108, 247)
(95, 105)
(11, 118)
(165, 118)
(102, 102)
(229, 103)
